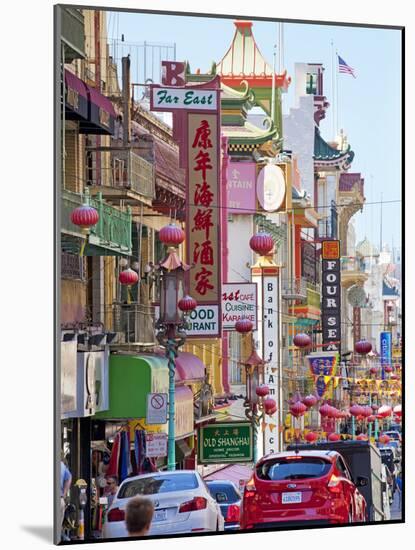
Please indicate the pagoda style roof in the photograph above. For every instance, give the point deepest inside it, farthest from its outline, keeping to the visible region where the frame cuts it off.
(328, 157)
(244, 61)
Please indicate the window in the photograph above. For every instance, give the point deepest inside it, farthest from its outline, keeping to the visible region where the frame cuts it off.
(158, 484)
(342, 468)
(311, 84)
(224, 493)
(293, 468)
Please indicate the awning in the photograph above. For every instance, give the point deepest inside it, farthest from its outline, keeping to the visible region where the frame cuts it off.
(234, 473)
(101, 114)
(76, 98)
(182, 450)
(131, 378)
(184, 412)
(189, 368)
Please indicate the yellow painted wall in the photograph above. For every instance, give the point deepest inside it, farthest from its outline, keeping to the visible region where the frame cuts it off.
(73, 301)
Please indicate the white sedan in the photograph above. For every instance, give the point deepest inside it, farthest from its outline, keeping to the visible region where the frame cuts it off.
(182, 504)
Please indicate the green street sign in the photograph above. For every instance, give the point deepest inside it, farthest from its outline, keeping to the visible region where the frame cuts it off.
(221, 443)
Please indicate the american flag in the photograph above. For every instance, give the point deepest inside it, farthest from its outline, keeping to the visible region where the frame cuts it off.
(344, 67)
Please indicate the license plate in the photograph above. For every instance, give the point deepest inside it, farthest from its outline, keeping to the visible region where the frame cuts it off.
(291, 498)
(160, 515)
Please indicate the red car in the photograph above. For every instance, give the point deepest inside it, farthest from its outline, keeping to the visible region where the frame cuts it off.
(302, 488)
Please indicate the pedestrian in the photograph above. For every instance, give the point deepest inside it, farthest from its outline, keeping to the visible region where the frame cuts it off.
(66, 480)
(399, 487)
(138, 516)
(111, 488)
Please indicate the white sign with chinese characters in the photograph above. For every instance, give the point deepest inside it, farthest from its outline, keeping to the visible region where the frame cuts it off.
(156, 445)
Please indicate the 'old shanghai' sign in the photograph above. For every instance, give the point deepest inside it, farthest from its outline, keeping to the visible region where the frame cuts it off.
(222, 443)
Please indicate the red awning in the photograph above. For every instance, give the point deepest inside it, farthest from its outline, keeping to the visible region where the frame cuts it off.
(72, 81)
(189, 367)
(100, 101)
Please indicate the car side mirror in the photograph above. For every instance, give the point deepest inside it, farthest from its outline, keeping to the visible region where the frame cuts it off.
(362, 481)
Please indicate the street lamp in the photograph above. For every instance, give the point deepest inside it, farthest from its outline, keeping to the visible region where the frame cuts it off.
(172, 323)
(257, 401)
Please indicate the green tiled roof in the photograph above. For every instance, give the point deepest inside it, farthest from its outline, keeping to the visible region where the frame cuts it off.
(325, 152)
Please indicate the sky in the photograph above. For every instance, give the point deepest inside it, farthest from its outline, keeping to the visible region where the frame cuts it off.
(368, 106)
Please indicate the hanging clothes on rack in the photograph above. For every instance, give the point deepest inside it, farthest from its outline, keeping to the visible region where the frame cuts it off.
(113, 465)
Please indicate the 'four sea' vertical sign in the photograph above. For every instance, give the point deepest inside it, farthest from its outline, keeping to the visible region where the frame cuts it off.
(331, 295)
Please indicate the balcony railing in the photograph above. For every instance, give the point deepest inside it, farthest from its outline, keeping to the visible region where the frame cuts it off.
(135, 321)
(294, 289)
(72, 266)
(112, 233)
(120, 169)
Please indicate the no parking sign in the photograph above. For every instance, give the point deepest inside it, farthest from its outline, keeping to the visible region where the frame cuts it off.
(156, 408)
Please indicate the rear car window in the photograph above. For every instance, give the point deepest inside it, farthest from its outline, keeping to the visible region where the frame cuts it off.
(280, 469)
(158, 484)
(224, 493)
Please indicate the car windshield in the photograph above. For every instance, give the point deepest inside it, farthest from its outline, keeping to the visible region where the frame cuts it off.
(158, 484)
(297, 468)
(224, 492)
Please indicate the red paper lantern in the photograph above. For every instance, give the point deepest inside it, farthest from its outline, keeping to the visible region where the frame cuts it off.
(243, 326)
(270, 405)
(384, 439)
(334, 437)
(398, 411)
(375, 407)
(311, 437)
(298, 409)
(394, 377)
(388, 369)
(310, 401)
(363, 347)
(84, 216)
(128, 277)
(261, 243)
(262, 390)
(171, 235)
(361, 437)
(356, 410)
(385, 411)
(187, 304)
(302, 340)
(374, 370)
(371, 418)
(366, 411)
(325, 410)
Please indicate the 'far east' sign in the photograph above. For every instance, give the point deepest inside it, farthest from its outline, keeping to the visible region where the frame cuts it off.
(164, 98)
(222, 443)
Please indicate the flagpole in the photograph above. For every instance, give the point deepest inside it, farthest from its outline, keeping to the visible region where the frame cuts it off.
(337, 93)
(332, 89)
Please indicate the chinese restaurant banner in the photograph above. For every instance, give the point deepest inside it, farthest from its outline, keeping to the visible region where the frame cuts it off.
(203, 208)
(323, 363)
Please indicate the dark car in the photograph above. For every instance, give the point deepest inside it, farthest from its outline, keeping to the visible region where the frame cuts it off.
(229, 499)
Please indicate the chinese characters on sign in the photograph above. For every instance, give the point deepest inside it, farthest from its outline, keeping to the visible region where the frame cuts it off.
(331, 292)
(203, 208)
(222, 443)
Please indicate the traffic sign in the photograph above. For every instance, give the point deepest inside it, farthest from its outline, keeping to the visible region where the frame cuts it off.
(156, 444)
(156, 408)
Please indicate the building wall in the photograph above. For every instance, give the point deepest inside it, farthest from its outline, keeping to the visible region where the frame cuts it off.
(299, 138)
(73, 301)
(240, 230)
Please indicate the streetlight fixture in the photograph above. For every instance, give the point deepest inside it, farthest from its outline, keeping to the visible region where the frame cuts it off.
(172, 323)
